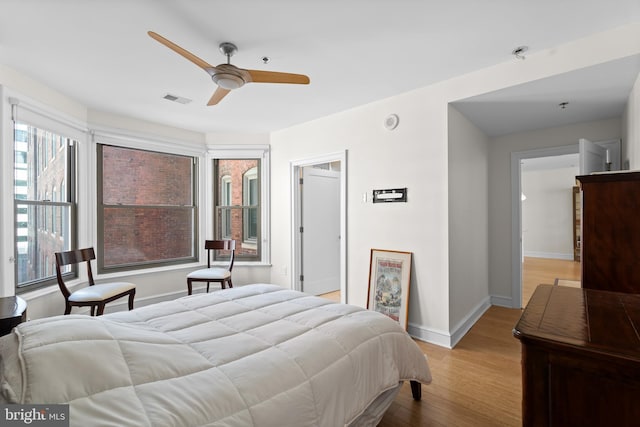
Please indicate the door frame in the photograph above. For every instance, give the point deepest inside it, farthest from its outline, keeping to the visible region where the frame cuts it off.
(295, 167)
(516, 211)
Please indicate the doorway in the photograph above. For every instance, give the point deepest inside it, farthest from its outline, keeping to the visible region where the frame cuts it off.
(517, 196)
(319, 225)
(549, 221)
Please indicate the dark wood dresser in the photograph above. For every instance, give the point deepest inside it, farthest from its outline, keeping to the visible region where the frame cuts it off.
(611, 231)
(580, 358)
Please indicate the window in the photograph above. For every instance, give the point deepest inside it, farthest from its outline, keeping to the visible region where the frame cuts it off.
(146, 208)
(44, 220)
(239, 217)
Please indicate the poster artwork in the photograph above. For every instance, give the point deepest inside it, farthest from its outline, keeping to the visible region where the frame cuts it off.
(388, 297)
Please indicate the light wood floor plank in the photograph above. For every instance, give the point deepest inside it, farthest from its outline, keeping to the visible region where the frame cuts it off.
(478, 383)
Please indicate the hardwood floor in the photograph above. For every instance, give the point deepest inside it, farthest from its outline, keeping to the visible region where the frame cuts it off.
(536, 271)
(479, 382)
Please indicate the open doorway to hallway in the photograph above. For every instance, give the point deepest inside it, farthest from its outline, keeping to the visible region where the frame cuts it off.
(550, 221)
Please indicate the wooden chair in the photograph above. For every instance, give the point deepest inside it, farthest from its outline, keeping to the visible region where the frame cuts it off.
(93, 295)
(210, 274)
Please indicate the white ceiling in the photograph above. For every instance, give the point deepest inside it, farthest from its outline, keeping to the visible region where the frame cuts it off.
(355, 52)
(593, 93)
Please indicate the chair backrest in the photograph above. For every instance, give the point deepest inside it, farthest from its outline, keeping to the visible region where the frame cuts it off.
(73, 257)
(220, 245)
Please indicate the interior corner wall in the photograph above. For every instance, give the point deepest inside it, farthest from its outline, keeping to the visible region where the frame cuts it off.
(500, 149)
(468, 222)
(631, 130)
(413, 156)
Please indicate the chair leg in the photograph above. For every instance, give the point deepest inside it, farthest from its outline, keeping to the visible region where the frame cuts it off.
(67, 308)
(131, 295)
(189, 290)
(230, 284)
(208, 283)
(93, 310)
(100, 309)
(223, 284)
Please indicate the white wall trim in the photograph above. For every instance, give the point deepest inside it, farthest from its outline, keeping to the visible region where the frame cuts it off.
(294, 174)
(502, 301)
(551, 255)
(516, 212)
(432, 336)
(470, 319)
(139, 140)
(122, 304)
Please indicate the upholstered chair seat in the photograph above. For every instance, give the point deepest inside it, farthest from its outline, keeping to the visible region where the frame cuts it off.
(210, 274)
(101, 292)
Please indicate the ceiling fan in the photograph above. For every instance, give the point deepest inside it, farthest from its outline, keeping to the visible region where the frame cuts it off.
(228, 76)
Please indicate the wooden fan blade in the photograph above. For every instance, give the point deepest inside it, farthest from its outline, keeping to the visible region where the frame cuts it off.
(259, 76)
(190, 56)
(218, 95)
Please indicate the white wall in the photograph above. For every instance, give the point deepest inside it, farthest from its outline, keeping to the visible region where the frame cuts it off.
(548, 233)
(468, 223)
(631, 129)
(500, 278)
(413, 156)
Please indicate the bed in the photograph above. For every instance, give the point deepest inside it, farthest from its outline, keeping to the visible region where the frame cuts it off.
(252, 355)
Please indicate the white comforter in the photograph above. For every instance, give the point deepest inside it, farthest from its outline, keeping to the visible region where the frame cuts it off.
(251, 355)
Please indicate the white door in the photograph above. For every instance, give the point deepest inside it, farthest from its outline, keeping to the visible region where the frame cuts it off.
(593, 157)
(320, 230)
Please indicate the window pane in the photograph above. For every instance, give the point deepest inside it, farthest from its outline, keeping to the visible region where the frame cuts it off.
(43, 214)
(36, 242)
(147, 210)
(137, 177)
(237, 213)
(142, 235)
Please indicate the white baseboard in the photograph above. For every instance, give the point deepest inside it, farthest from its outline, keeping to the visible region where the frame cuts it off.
(552, 255)
(502, 301)
(432, 336)
(463, 326)
(122, 305)
(444, 339)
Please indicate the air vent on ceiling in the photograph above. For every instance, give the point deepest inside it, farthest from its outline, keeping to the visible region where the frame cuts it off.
(175, 98)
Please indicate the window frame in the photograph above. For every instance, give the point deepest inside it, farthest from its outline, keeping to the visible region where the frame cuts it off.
(248, 178)
(146, 265)
(227, 191)
(240, 152)
(69, 137)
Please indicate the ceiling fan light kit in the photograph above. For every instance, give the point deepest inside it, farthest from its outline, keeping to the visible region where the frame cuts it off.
(228, 81)
(227, 76)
